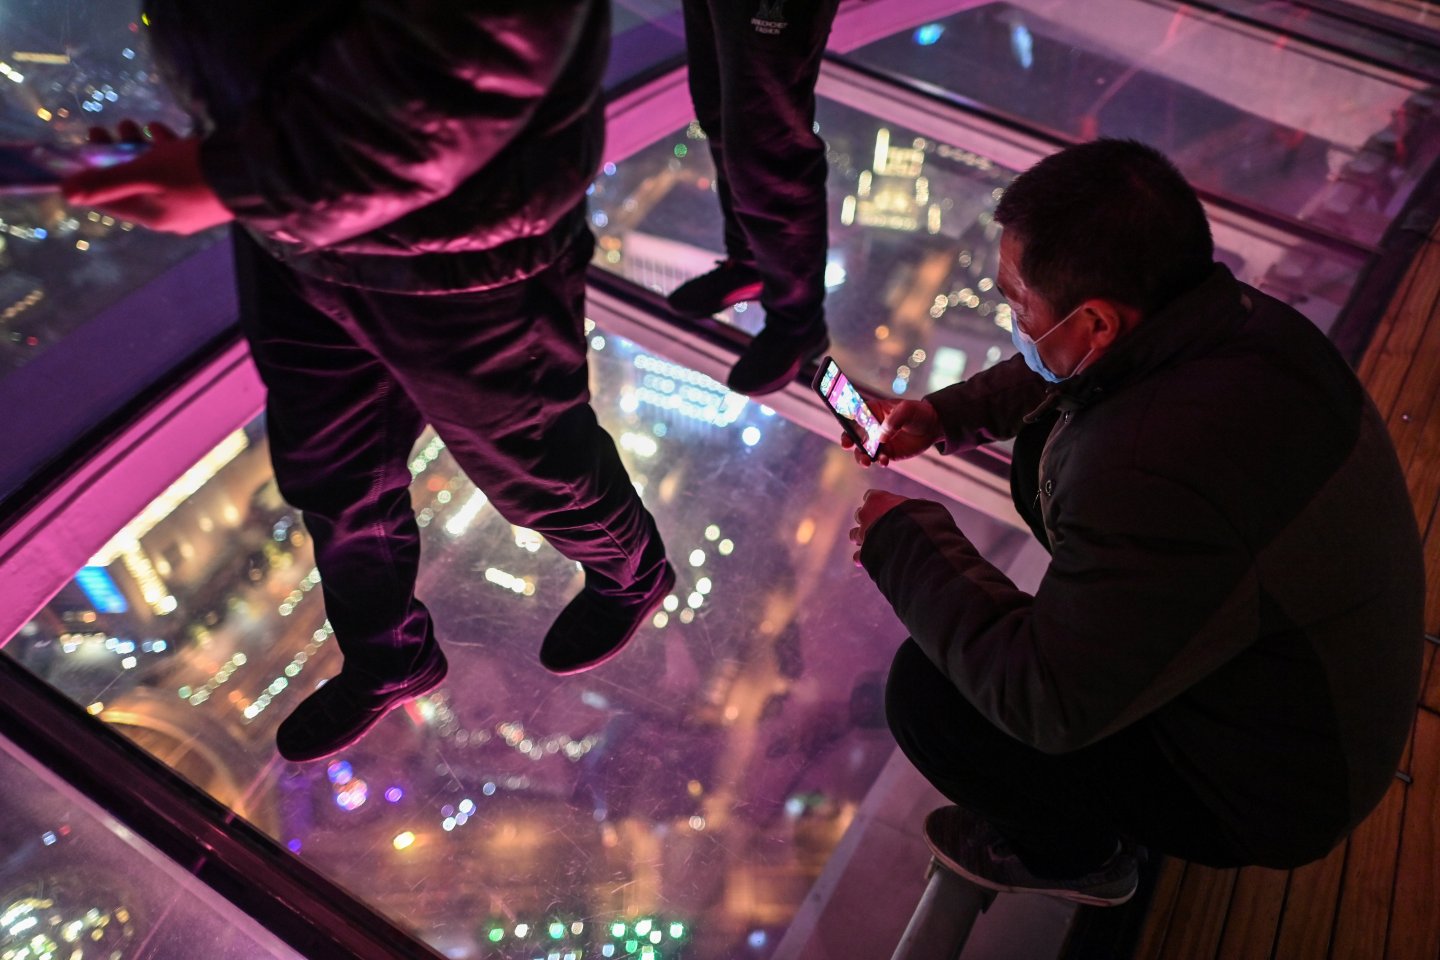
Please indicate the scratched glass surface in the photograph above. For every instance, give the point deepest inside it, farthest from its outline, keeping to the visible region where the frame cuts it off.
(682, 798)
(76, 884)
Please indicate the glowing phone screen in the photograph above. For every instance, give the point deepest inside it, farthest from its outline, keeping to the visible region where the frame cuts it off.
(845, 400)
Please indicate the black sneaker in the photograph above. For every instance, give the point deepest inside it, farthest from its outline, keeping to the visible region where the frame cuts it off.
(344, 709)
(594, 628)
(968, 845)
(774, 357)
(731, 282)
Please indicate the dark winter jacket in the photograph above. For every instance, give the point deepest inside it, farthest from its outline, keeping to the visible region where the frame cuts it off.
(1235, 564)
(406, 145)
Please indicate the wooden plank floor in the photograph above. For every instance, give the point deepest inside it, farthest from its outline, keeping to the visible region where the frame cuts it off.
(1378, 894)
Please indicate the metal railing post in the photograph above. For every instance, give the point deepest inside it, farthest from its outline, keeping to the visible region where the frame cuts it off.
(942, 920)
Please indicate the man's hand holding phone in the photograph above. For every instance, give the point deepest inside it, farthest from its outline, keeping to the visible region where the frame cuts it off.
(907, 429)
(877, 430)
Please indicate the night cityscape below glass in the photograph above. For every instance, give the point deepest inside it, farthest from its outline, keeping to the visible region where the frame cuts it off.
(694, 787)
(680, 802)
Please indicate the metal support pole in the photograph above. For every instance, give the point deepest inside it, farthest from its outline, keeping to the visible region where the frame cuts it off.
(942, 920)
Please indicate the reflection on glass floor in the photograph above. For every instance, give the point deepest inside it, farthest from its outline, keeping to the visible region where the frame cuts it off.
(1244, 112)
(677, 802)
(75, 885)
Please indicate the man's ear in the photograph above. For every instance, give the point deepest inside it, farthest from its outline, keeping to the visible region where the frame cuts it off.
(1108, 321)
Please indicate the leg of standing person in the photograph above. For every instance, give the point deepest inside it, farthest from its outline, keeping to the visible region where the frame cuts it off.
(772, 166)
(1061, 813)
(736, 278)
(502, 376)
(340, 433)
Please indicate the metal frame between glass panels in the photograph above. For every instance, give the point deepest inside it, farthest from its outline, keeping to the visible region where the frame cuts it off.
(296, 903)
(1409, 19)
(1339, 28)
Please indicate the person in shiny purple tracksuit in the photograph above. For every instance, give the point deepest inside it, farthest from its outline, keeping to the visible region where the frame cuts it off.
(409, 180)
(753, 66)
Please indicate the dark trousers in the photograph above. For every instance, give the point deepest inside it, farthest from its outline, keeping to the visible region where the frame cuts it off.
(1063, 813)
(753, 66)
(353, 375)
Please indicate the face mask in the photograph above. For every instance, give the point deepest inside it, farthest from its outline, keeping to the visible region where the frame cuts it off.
(1029, 349)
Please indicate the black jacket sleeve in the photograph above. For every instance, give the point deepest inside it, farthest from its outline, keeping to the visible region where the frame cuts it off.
(1148, 591)
(989, 406)
(398, 104)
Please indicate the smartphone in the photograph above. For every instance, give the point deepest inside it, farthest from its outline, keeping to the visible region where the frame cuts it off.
(848, 406)
(29, 167)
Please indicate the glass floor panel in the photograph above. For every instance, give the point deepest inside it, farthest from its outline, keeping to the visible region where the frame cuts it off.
(910, 297)
(77, 283)
(76, 885)
(682, 798)
(1244, 112)
(64, 71)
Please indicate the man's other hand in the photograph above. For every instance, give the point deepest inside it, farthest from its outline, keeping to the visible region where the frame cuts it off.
(874, 505)
(908, 428)
(162, 189)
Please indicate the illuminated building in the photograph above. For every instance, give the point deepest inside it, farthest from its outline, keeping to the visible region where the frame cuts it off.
(894, 194)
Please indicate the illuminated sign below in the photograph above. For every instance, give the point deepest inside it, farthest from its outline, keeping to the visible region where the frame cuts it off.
(101, 590)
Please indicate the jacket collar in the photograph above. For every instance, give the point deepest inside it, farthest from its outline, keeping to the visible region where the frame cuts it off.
(1188, 326)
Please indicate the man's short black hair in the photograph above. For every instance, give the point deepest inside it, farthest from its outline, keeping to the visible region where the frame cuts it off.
(1109, 218)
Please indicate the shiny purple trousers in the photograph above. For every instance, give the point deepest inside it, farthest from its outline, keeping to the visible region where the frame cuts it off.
(753, 65)
(353, 376)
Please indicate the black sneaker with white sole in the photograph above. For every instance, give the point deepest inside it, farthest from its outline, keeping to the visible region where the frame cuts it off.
(967, 844)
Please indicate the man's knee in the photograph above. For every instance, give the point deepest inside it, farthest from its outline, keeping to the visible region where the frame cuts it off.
(904, 705)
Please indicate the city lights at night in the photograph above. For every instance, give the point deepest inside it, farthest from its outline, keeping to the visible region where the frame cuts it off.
(682, 801)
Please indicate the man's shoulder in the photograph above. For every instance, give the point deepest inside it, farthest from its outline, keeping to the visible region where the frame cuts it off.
(1254, 426)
